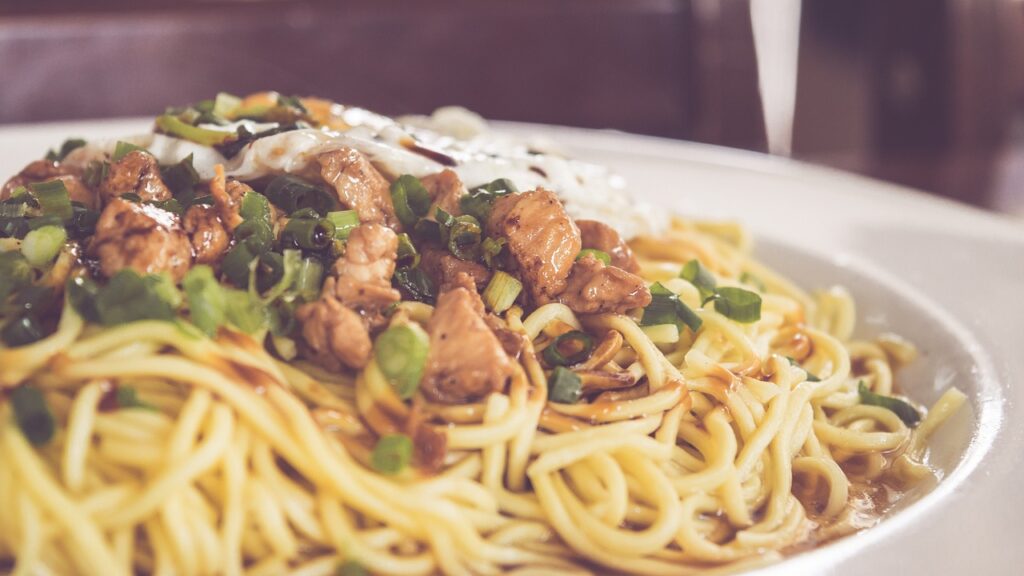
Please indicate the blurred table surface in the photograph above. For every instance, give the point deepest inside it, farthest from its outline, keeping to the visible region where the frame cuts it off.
(921, 92)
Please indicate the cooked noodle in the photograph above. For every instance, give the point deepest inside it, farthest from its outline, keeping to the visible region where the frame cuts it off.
(247, 465)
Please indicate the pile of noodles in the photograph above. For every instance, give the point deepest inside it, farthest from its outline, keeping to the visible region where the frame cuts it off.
(245, 465)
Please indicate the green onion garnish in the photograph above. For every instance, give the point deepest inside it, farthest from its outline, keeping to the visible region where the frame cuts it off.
(181, 179)
(401, 353)
(33, 414)
(174, 126)
(351, 568)
(207, 302)
(15, 272)
(696, 274)
(309, 279)
(344, 222)
(490, 248)
(254, 206)
(122, 149)
(391, 454)
(127, 398)
(66, 148)
(480, 200)
(235, 265)
(279, 272)
(308, 233)
(415, 284)
(599, 254)
(464, 238)
(22, 330)
(407, 254)
(667, 308)
(907, 413)
(53, 198)
(410, 198)
(291, 194)
(83, 222)
(82, 292)
(570, 348)
(42, 245)
(129, 297)
(738, 304)
(245, 311)
(501, 292)
(564, 386)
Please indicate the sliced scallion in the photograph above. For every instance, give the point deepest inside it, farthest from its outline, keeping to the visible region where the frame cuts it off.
(66, 148)
(245, 311)
(42, 245)
(309, 279)
(15, 272)
(407, 254)
(53, 198)
(480, 200)
(122, 149)
(308, 233)
(564, 386)
(464, 238)
(128, 398)
(289, 263)
(401, 353)
(907, 413)
(501, 292)
(392, 454)
(696, 274)
(570, 348)
(172, 125)
(410, 199)
(415, 284)
(21, 330)
(667, 308)
(291, 194)
(82, 292)
(129, 297)
(33, 414)
(254, 206)
(738, 304)
(344, 222)
(662, 333)
(207, 302)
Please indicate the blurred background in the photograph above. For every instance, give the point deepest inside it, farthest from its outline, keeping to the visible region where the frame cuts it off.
(926, 93)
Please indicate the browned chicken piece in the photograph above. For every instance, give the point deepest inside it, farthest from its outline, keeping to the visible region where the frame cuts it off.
(47, 170)
(443, 268)
(542, 239)
(142, 237)
(137, 173)
(364, 272)
(359, 186)
(335, 336)
(445, 189)
(600, 236)
(431, 447)
(206, 233)
(227, 198)
(466, 360)
(595, 288)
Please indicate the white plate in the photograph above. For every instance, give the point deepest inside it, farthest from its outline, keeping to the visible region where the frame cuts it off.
(949, 277)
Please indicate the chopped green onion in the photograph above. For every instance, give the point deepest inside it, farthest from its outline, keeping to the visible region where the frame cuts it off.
(464, 238)
(13, 227)
(351, 568)
(82, 292)
(564, 386)
(344, 222)
(410, 198)
(83, 222)
(129, 297)
(480, 200)
(66, 148)
(501, 292)
(53, 198)
(310, 278)
(175, 127)
(407, 255)
(391, 454)
(42, 245)
(122, 149)
(257, 233)
(491, 248)
(14, 209)
(428, 230)
(255, 206)
(667, 308)
(570, 348)
(236, 263)
(290, 194)
(415, 284)
(21, 330)
(748, 278)
(288, 266)
(15, 272)
(31, 299)
(94, 173)
(207, 302)
(907, 413)
(696, 274)
(245, 311)
(269, 270)
(128, 398)
(181, 179)
(170, 205)
(41, 221)
(662, 333)
(600, 255)
(738, 304)
(401, 353)
(308, 234)
(33, 414)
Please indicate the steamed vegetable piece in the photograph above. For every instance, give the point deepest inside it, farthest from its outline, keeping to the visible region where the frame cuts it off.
(392, 454)
(32, 414)
(401, 353)
(907, 413)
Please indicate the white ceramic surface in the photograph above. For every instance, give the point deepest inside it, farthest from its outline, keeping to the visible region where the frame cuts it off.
(949, 277)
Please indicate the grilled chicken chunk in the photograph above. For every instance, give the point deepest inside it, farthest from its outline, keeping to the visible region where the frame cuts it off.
(335, 336)
(466, 360)
(445, 189)
(542, 239)
(206, 233)
(142, 237)
(600, 236)
(136, 173)
(45, 171)
(443, 268)
(359, 186)
(595, 288)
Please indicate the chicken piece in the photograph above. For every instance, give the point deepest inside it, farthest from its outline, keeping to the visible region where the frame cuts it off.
(445, 189)
(142, 237)
(541, 237)
(335, 336)
(364, 272)
(137, 173)
(466, 361)
(359, 186)
(443, 268)
(206, 233)
(46, 171)
(600, 236)
(594, 288)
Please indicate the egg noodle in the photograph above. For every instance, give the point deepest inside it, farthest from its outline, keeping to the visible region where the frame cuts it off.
(242, 464)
